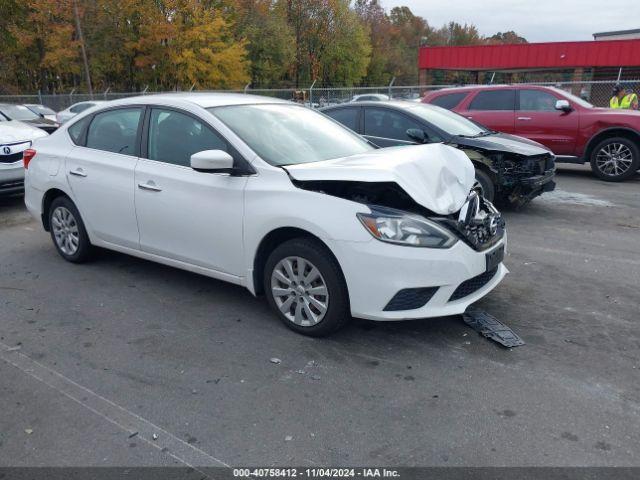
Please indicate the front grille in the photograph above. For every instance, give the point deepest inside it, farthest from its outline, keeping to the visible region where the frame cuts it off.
(410, 299)
(473, 285)
(11, 158)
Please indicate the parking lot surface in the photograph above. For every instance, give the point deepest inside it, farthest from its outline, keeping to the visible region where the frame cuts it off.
(125, 362)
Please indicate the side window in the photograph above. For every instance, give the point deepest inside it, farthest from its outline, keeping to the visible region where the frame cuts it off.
(81, 107)
(385, 123)
(75, 130)
(494, 100)
(449, 101)
(537, 100)
(346, 116)
(174, 137)
(115, 131)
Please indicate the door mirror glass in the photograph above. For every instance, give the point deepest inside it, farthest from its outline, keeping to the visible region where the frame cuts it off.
(417, 135)
(563, 105)
(212, 161)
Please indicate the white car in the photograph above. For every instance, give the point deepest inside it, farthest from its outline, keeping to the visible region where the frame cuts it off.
(42, 110)
(275, 197)
(370, 97)
(15, 138)
(70, 112)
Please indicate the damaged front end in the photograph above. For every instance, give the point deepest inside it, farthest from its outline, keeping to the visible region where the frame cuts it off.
(477, 223)
(518, 178)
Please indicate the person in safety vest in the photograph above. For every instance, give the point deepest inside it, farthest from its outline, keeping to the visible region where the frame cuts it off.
(622, 99)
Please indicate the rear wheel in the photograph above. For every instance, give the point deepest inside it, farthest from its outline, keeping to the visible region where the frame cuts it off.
(484, 185)
(67, 231)
(615, 159)
(305, 287)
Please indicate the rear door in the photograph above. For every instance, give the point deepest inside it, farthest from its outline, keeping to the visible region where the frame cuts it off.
(100, 171)
(347, 116)
(538, 119)
(494, 109)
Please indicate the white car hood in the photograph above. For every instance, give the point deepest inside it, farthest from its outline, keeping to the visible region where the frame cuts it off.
(14, 131)
(436, 176)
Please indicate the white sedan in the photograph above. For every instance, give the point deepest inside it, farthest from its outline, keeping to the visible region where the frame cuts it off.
(275, 197)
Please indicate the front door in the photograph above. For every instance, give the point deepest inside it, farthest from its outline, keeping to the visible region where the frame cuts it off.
(387, 128)
(538, 119)
(185, 215)
(101, 174)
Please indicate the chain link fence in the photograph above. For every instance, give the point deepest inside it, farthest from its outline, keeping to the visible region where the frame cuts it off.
(596, 92)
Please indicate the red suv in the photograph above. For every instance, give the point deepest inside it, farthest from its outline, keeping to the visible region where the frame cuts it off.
(570, 127)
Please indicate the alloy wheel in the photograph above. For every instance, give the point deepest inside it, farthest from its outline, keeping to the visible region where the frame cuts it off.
(614, 159)
(300, 291)
(65, 230)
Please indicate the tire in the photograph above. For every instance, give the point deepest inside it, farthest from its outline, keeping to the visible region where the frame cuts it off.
(615, 159)
(281, 273)
(485, 185)
(67, 231)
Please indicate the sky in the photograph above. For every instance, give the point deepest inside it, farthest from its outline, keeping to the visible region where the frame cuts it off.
(535, 20)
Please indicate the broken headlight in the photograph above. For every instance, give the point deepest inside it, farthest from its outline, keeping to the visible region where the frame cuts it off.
(395, 226)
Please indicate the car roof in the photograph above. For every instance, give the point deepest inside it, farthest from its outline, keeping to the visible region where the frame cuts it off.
(402, 104)
(472, 88)
(204, 100)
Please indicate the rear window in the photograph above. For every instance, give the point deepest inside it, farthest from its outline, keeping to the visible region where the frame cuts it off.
(494, 100)
(449, 101)
(81, 107)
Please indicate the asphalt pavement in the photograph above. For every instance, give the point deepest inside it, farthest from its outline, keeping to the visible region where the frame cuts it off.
(123, 362)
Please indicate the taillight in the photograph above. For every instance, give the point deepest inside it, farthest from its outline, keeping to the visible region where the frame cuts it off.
(27, 156)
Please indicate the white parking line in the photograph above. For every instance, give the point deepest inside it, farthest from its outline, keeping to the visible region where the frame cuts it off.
(128, 421)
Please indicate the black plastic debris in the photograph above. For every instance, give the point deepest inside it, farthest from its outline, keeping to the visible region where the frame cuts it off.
(490, 327)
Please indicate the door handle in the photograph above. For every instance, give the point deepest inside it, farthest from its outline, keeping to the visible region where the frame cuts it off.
(469, 117)
(78, 172)
(524, 118)
(149, 186)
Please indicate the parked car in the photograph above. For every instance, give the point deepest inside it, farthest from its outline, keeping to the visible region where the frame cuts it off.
(507, 168)
(12, 111)
(42, 110)
(275, 197)
(15, 138)
(575, 130)
(370, 97)
(70, 112)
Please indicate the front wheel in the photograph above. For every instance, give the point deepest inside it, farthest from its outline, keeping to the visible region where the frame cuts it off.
(305, 287)
(615, 159)
(484, 185)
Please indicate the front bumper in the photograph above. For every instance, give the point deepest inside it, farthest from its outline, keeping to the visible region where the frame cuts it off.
(11, 177)
(376, 271)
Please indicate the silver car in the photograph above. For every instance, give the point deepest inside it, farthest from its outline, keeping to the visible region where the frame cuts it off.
(68, 113)
(15, 138)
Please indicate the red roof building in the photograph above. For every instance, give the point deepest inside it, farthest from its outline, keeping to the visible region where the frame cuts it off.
(574, 59)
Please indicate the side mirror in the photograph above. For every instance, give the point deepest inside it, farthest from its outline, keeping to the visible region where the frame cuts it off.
(418, 135)
(212, 161)
(563, 105)
(41, 115)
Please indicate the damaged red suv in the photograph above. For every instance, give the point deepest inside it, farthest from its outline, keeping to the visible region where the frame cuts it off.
(573, 129)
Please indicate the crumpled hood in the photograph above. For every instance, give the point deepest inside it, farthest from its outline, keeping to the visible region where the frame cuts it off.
(436, 176)
(14, 131)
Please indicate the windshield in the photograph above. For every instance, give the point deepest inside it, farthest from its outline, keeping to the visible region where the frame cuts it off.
(448, 121)
(41, 109)
(283, 134)
(573, 98)
(18, 112)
